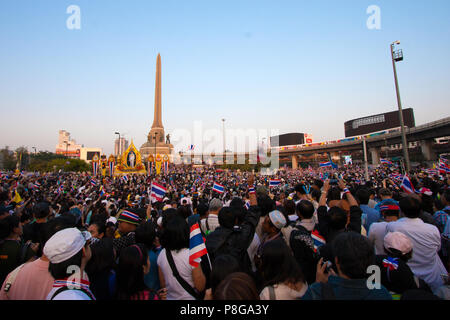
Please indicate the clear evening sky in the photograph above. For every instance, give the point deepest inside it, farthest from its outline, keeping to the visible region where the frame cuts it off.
(296, 66)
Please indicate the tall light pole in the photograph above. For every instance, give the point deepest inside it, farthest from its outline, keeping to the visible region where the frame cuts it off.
(118, 149)
(224, 149)
(366, 166)
(156, 133)
(396, 57)
(34, 150)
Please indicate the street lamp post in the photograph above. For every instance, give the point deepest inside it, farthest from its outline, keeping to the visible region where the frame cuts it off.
(34, 150)
(398, 56)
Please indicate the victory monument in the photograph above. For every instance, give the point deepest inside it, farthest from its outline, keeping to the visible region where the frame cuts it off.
(155, 139)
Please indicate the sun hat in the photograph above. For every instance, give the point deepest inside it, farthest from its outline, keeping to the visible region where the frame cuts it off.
(398, 241)
(64, 244)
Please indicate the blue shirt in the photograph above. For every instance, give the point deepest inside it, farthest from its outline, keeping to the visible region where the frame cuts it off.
(151, 279)
(369, 216)
(347, 289)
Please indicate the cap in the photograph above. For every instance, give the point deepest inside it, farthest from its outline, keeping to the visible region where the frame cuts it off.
(277, 218)
(129, 217)
(398, 241)
(64, 244)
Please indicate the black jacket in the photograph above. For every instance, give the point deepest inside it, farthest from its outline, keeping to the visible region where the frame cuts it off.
(235, 242)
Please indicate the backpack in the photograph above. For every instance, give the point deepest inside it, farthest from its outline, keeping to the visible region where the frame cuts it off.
(228, 246)
(304, 245)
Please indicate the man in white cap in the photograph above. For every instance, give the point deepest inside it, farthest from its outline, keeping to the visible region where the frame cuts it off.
(271, 227)
(68, 252)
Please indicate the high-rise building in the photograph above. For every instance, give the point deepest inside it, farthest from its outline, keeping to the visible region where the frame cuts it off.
(66, 146)
(120, 146)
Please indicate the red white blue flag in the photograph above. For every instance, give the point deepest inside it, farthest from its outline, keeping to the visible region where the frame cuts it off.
(157, 191)
(218, 188)
(197, 247)
(274, 182)
(407, 185)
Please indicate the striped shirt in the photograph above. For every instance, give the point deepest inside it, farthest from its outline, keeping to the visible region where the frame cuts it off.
(441, 217)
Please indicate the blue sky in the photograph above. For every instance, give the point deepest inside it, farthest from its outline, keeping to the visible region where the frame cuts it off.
(295, 66)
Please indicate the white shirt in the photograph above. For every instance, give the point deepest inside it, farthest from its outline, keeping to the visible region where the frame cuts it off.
(283, 292)
(425, 262)
(377, 232)
(181, 259)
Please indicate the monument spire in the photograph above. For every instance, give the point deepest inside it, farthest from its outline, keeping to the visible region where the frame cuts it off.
(157, 119)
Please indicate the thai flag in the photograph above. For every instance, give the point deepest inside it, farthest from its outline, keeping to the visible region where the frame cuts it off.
(125, 178)
(386, 161)
(443, 168)
(191, 147)
(390, 263)
(406, 185)
(197, 247)
(157, 192)
(218, 188)
(432, 171)
(274, 182)
(93, 182)
(247, 205)
(325, 164)
(150, 168)
(442, 159)
(60, 189)
(111, 168)
(318, 240)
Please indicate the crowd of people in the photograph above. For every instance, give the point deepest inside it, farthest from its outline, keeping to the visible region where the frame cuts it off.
(315, 234)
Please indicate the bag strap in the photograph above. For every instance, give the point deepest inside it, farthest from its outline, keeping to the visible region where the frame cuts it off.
(180, 280)
(11, 278)
(65, 288)
(207, 224)
(272, 295)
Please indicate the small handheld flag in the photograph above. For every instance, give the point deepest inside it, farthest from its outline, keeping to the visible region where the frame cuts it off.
(386, 161)
(274, 183)
(93, 182)
(218, 188)
(325, 164)
(197, 247)
(157, 191)
(406, 185)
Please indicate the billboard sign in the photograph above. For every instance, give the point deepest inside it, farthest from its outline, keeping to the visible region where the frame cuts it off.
(378, 122)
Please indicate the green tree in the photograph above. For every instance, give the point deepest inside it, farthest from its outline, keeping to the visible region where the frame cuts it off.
(7, 161)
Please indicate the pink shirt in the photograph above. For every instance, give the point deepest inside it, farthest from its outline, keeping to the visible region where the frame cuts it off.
(33, 282)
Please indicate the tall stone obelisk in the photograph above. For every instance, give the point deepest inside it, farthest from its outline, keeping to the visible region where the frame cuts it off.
(155, 138)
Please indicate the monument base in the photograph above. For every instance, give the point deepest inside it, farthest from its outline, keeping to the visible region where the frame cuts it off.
(161, 148)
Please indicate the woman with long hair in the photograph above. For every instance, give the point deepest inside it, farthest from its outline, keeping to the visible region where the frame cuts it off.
(133, 266)
(283, 279)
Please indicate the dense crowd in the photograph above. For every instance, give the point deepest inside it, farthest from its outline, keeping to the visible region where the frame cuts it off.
(314, 234)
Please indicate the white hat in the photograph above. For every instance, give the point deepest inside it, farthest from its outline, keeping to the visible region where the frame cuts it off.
(112, 219)
(64, 244)
(278, 219)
